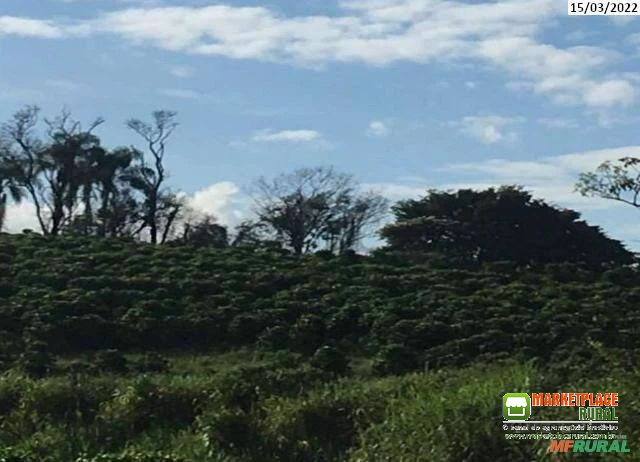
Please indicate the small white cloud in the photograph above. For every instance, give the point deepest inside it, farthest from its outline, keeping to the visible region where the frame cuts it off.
(489, 129)
(182, 72)
(290, 136)
(222, 200)
(26, 27)
(63, 85)
(610, 93)
(180, 93)
(378, 129)
(470, 84)
(557, 122)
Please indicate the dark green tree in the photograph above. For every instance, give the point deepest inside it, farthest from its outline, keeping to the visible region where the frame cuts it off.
(498, 224)
(205, 232)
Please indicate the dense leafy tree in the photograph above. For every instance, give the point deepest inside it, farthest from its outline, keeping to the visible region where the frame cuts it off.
(205, 232)
(498, 224)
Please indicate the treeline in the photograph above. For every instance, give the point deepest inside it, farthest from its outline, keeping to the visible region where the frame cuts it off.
(80, 187)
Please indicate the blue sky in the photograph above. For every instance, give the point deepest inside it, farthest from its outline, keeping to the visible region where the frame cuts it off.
(405, 94)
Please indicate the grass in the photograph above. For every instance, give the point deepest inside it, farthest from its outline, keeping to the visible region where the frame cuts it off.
(446, 415)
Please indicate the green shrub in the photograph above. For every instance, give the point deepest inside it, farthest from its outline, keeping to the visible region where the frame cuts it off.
(330, 359)
(395, 359)
(36, 360)
(151, 362)
(110, 361)
(228, 429)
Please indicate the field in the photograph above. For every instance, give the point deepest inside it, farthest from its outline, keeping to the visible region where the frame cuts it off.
(121, 351)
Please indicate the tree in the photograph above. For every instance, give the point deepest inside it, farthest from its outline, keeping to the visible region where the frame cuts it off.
(619, 181)
(204, 232)
(498, 224)
(313, 207)
(149, 179)
(9, 187)
(66, 168)
(55, 173)
(107, 172)
(22, 155)
(251, 233)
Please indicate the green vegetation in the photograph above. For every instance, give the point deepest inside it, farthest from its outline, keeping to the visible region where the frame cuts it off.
(133, 330)
(137, 352)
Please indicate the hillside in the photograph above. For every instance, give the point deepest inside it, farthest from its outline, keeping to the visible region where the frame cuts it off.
(110, 344)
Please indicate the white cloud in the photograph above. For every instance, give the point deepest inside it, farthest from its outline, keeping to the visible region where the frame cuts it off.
(378, 129)
(290, 136)
(396, 191)
(505, 34)
(552, 178)
(610, 93)
(64, 85)
(25, 27)
(489, 129)
(181, 93)
(557, 122)
(182, 72)
(222, 200)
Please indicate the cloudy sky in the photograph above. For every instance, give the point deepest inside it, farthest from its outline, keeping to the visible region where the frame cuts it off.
(405, 94)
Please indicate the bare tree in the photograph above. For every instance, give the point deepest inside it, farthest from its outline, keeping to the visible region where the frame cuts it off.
(149, 179)
(315, 207)
(354, 220)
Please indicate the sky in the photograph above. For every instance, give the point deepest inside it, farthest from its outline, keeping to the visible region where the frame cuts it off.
(406, 95)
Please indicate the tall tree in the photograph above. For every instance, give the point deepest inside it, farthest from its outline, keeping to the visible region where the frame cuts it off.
(23, 155)
(498, 224)
(149, 178)
(66, 164)
(53, 172)
(317, 207)
(108, 170)
(9, 187)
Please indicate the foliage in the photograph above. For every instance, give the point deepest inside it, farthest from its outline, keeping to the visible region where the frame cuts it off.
(244, 354)
(504, 224)
(619, 181)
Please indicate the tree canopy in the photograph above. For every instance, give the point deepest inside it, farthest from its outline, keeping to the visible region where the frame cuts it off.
(498, 224)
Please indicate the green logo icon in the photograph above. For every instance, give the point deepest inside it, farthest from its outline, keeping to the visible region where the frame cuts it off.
(516, 406)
